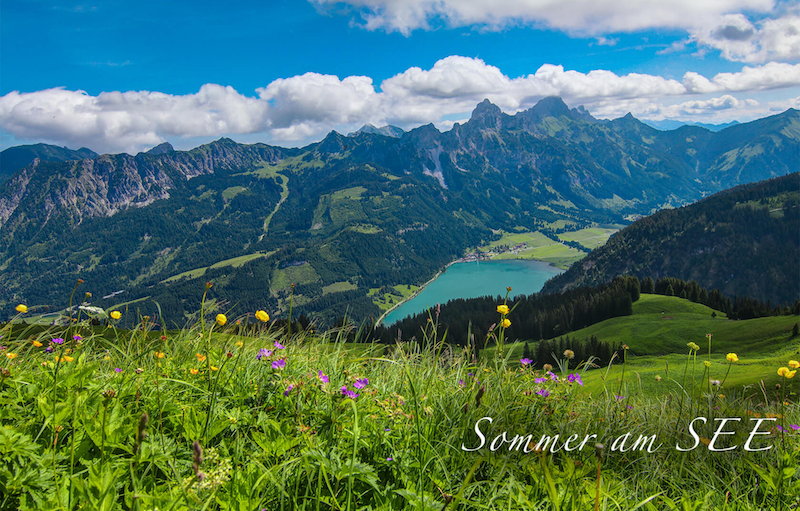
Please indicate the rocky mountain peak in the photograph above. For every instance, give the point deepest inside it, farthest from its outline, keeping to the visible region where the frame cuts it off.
(166, 147)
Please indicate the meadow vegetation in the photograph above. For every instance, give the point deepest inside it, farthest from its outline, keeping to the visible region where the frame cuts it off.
(249, 414)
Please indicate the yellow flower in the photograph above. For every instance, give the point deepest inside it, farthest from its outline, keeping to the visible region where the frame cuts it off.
(37, 344)
(115, 314)
(790, 374)
(22, 309)
(794, 364)
(221, 319)
(200, 358)
(503, 309)
(706, 363)
(106, 358)
(506, 323)
(569, 354)
(159, 354)
(782, 371)
(693, 346)
(193, 371)
(262, 316)
(239, 343)
(214, 368)
(65, 358)
(11, 356)
(732, 357)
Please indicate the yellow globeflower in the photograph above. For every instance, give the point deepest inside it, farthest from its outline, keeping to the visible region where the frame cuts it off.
(221, 319)
(506, 323)
(794, 364)
(22, 309)
(200, 358)
(706, 363)
(115, 314)
(11, 356)
(782, 371)
(693, 346)
(733, 357)
(37, 344)
(503, 309)
(790, 374)
(193, 371)
(159, 354)
(262, 316)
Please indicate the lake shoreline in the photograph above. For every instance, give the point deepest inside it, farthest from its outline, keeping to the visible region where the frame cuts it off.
(466, 259)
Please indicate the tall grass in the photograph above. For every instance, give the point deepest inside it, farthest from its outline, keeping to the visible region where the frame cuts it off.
(204, 418)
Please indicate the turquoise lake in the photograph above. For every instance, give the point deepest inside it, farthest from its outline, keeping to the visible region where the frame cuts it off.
(471, 280)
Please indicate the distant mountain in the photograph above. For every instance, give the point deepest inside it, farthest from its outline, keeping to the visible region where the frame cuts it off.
(669, 124)
(14, 158)
(347, 218)
(743, 241)
(164, 148)
(386, 131)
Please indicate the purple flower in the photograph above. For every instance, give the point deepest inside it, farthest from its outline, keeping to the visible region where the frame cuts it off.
(263, 352)
(470, 374)
(619, 398)
(389, 459)
(387, 429)
(552, 375)
(76, 337)
(279, 364)
(540, 380)
(575, 378)
(322, 377)
(279, 346)
(49, 349)
(58, 340)
(288, 389)
(543, 392)
(348, 393)
(360, 384)
(117, 370)
(780, 429)
(794, 426)
(461, 383)
(525, 361)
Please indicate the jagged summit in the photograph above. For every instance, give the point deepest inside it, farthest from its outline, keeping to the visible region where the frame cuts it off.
(164, 148)
(386, 131)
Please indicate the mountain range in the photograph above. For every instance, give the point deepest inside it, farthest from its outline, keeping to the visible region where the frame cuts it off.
(347, 218)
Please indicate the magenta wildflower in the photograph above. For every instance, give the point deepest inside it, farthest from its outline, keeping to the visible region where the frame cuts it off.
(780, 429)
(525, 361)
(117, 370)
(49, 349)
(794, 426)
(348, 393)
(279, 364)
(575, 378)
(619, 398)
(322, 377)
(263, 352)
(540, 380)
(552, 375)
(360, 384)
(461, 383)
(288, 389)
(389, 459)
(58, 340)
(543, 392)
(76, 337)
(279, 346)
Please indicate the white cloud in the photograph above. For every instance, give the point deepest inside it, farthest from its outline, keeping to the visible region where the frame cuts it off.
(737, 38)
(303, 108)
(580, 16)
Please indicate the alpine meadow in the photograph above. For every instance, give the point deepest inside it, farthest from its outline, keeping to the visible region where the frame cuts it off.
(224, 301)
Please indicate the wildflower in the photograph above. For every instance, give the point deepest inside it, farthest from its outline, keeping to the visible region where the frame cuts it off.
(37, 344)
(540, 380)
(794, 427)
(159, 354)
(239, 344)
(508, 289)
(658, 377)
(11, 356)
(117, 370)
(543, 392)
(57, 340)
(221, 319)
(263, 352)
(229, 354)
(782, 371)
(569, 354)
(115, 314)
(65, 358)
(619, 398)
(791, 374)
(77, 338)
(505, 323)
(733, 357)
(461, 383)
(22, 309)
(200, 357)
(575, 378)
(139, 370)
(715, 383)
(109, 394)
(262, 316)
(279, 346)
(794, 364)
(552, 375)
(163, 337)
(389, 459)
(525, 361)
(360, 384)
(322, 377)
(288, 389)
(693, 346)
(348, 393)
(503, 309)
(279, 364)
(214, 368)
(193, 371)
(706, 363)
(547, 368)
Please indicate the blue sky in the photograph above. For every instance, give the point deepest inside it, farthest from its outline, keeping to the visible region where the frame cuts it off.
(123, 76)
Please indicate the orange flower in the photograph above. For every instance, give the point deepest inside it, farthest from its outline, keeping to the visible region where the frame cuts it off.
(37, 344)
(11, 356)
(159, 354)
(193, 371)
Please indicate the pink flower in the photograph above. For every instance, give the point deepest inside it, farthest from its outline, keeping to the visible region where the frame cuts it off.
(360, 384)
(322, 377)
(279, 364)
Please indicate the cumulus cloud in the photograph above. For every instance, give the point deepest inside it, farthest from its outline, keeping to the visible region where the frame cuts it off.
(304, 107)
(737, 38)
(581, 16)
